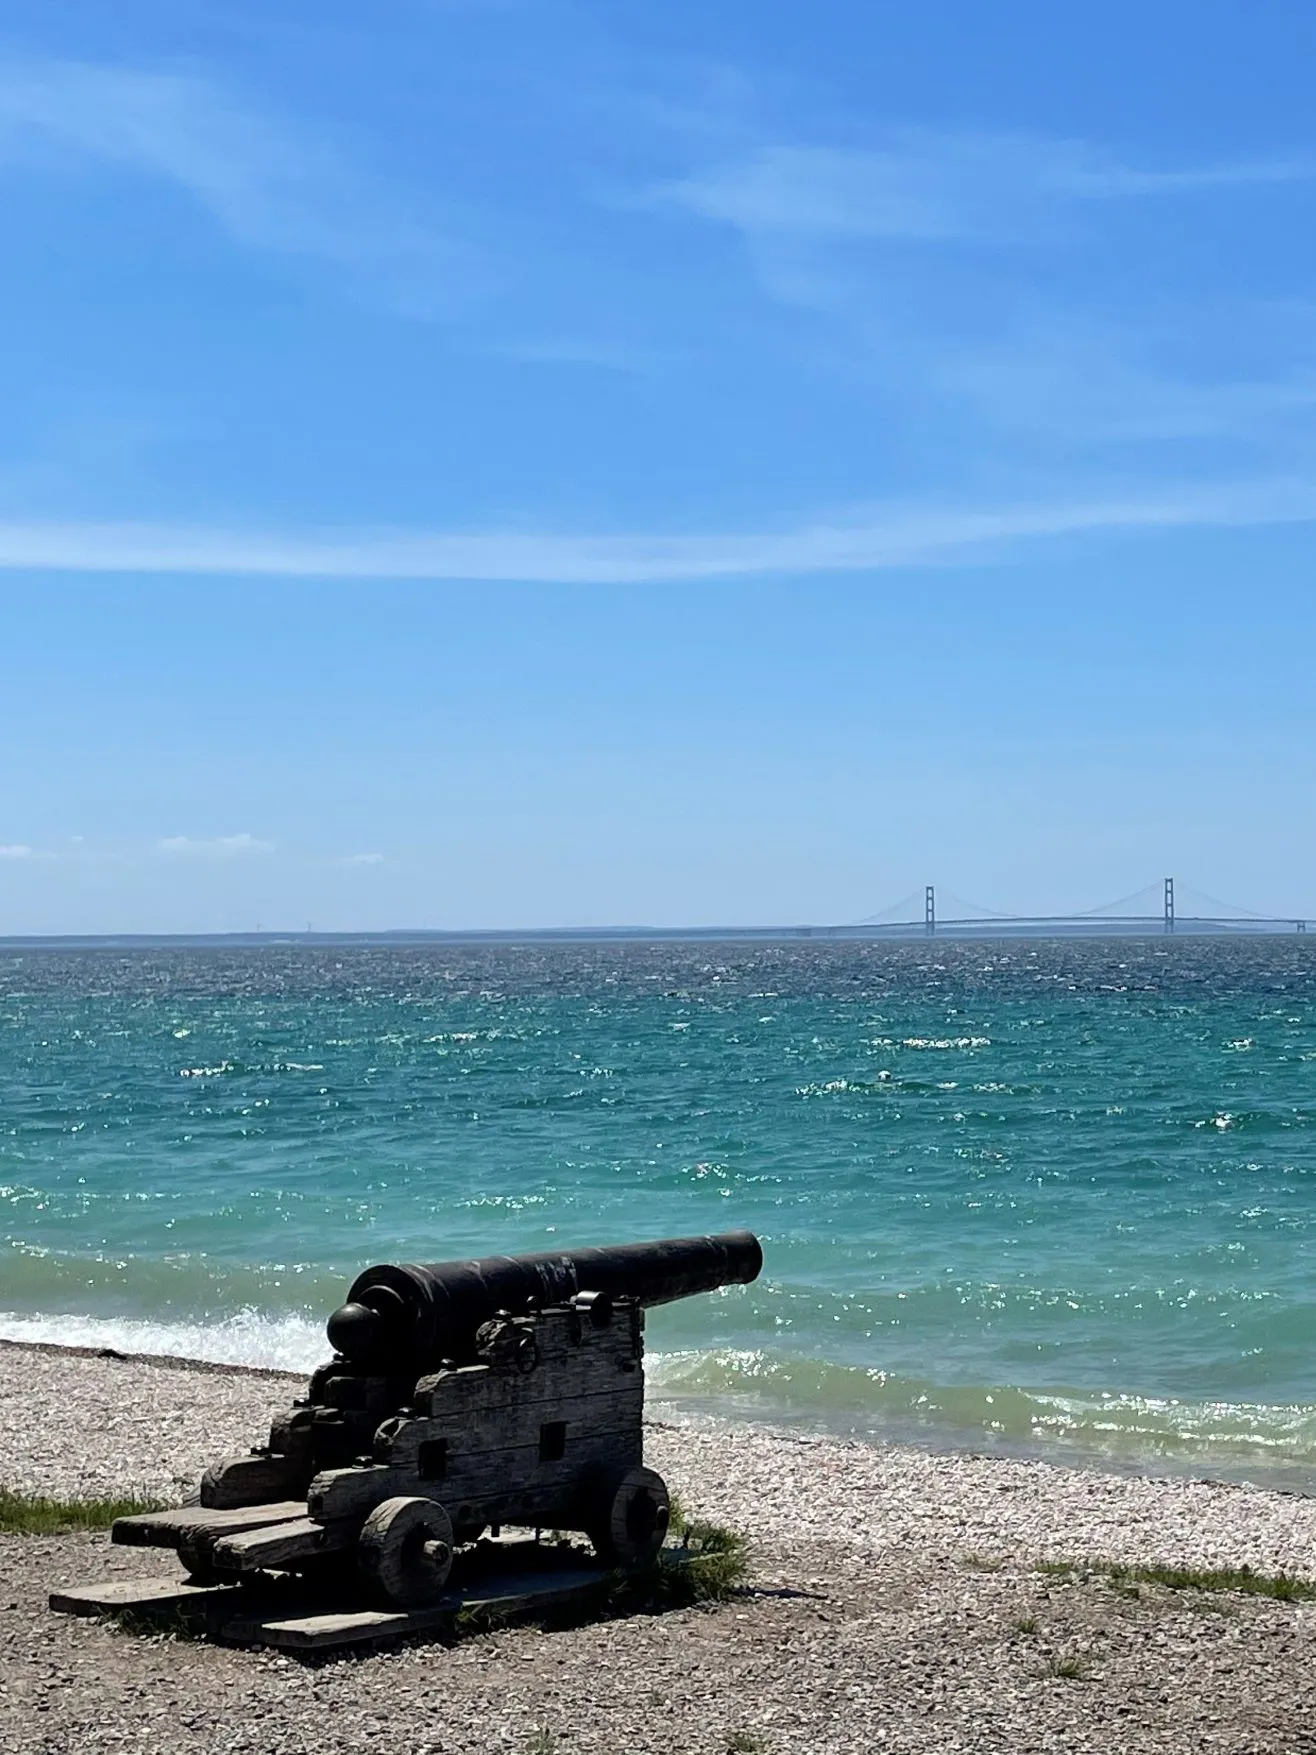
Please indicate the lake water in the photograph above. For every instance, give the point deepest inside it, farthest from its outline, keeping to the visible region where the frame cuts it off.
(1053, 1197)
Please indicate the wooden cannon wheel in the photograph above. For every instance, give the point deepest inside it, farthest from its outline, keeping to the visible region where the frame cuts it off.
(632, 1511)
(405, 1552)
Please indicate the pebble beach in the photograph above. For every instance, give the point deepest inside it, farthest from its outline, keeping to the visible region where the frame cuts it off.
(897, 1600)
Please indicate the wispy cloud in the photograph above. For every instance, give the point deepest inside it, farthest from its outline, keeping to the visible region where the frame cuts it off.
(915, 264)
(212, 847)
(883, 536)
(362, 859)
(935, 188)
(1083, 380)
(16, 850)
(272, 187)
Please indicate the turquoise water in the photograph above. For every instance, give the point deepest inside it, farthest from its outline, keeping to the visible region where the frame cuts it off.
(1052, 1197)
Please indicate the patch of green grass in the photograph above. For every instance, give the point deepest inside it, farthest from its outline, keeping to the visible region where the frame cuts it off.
(714, 1567)
(479, 1618)
(31, 1514)
(1278, 1585)
(541, 1742)
(711, 1569)
(1026, 1624)
(157, 1623)
(1072, 1669)
(984, 1562)
(745, 1743)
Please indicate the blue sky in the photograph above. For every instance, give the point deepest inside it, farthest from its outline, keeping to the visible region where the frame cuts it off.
(488, 462)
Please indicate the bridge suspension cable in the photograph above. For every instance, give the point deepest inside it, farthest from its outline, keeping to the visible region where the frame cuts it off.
(897, 913)
(1152, 904)
(1149, 893)
(1227, 908)
(957, 907)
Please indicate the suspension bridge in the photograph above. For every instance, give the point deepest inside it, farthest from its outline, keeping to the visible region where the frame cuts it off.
(1155, 909)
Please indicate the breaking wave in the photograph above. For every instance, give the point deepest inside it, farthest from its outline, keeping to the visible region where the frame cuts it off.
(1274, 1444)
(1233, 1440)
(249, 1337)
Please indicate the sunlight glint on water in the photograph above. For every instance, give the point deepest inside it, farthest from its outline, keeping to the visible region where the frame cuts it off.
(1052, 1197)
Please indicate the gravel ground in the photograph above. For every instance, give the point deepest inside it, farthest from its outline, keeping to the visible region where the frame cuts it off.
(894, 1605)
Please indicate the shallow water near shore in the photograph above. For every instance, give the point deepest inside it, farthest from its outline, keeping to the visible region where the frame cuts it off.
(1051, 1198)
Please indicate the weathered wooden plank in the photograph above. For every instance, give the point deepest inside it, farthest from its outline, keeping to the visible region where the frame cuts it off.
(555, 1336)
(323, 1632)
(510, 1594)
(352, 1492)
(468, 1432)
(146, 1595)
(580, 1372)
(291, 1615)
(249, 1480)
(518, 1467)
(521, 1490)
(281, 1544)
(166, 1529)
(513, 1477)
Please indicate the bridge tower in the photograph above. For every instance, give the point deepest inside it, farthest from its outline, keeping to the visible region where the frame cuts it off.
(930, 910)
(1169, 904)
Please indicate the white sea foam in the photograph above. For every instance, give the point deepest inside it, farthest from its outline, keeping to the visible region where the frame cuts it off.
(1240, 1440)
(250, 1337)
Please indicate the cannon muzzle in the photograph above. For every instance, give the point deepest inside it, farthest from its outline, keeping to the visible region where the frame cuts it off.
(398, 1316)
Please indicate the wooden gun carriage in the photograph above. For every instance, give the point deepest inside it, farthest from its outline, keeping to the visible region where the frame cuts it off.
(461, 1396)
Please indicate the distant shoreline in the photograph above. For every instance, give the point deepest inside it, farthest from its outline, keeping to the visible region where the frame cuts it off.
(904, 933)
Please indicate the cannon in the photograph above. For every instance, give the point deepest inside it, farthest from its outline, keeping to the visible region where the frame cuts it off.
(461, 1397)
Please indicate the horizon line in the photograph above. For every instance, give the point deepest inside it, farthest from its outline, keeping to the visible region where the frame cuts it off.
(1016, 926)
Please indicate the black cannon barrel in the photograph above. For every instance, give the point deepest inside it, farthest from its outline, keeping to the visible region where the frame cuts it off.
(399, 1314)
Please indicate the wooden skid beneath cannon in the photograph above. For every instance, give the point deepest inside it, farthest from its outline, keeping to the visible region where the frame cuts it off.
(144, 1598)
(171, 1529)
(237, 1539)
(525, 1579)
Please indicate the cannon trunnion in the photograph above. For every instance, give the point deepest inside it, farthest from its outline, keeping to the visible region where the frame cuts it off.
(448, 1410)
